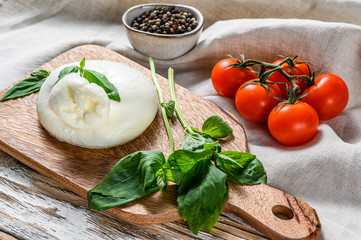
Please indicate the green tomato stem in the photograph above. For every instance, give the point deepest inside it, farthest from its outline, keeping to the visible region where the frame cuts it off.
(177, 110)
(161, 102)
(273, 68)
(290, 78)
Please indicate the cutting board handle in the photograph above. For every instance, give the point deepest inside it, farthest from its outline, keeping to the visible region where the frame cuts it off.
(276, 214)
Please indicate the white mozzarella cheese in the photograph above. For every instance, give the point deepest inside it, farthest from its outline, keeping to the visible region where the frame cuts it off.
(80, 113)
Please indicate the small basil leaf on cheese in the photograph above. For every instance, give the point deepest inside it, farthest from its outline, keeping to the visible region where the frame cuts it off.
(66, 71)
(102, 81)
(93, 77)
(82, 63)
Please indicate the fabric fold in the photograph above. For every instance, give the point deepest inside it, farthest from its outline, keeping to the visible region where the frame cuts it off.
(324, 172)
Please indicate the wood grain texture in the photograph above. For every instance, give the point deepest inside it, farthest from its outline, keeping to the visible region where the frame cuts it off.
(35, 207)
(80, 169)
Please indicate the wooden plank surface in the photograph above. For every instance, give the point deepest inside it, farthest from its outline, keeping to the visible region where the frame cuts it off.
(33, 206)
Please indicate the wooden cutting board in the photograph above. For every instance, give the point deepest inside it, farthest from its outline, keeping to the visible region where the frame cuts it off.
(274, 213)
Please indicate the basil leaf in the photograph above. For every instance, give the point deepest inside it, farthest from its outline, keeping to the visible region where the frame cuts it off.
(203, 192)
(40, 73)
(102, 81)
(93, 77)
(184, 160)
(241, 167)
(194, 141)
(133, 177)
(169, 108)
(214, 146)
(215, 127)
(168, 172)
(27, 86)
(66, 71)
(82, 63)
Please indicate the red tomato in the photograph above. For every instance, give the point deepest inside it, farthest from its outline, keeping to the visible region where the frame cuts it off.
(293, 124)
(254, 102)
(226, 80)
(328, 96)
(298, 69)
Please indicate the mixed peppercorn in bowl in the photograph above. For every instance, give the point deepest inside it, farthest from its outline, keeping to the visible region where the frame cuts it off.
(163, 31)
(165, 20)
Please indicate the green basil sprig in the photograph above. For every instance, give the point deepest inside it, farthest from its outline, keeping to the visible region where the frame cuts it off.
(202, 185)
(93, 77)
(203, 189)
(27, 86)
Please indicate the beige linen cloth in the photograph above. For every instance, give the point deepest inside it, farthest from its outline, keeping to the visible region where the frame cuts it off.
(326, 173)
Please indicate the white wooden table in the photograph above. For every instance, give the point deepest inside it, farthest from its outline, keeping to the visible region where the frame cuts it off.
(33, 206)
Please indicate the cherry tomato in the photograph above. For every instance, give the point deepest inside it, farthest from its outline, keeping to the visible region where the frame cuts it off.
(298, 69)
(293, 124)
(226, 80)
(328, 96)
(254, 102)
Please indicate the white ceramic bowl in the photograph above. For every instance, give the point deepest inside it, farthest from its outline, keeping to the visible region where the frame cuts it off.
(161, 46)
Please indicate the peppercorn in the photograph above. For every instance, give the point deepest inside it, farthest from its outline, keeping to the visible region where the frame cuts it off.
(152, 15)
(194, 24)
(165, 20)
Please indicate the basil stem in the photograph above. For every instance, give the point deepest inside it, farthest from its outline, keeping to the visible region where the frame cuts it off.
(184, 123)
(161, 102)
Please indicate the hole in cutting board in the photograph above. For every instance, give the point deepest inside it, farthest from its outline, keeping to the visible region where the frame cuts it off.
(282, 212)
